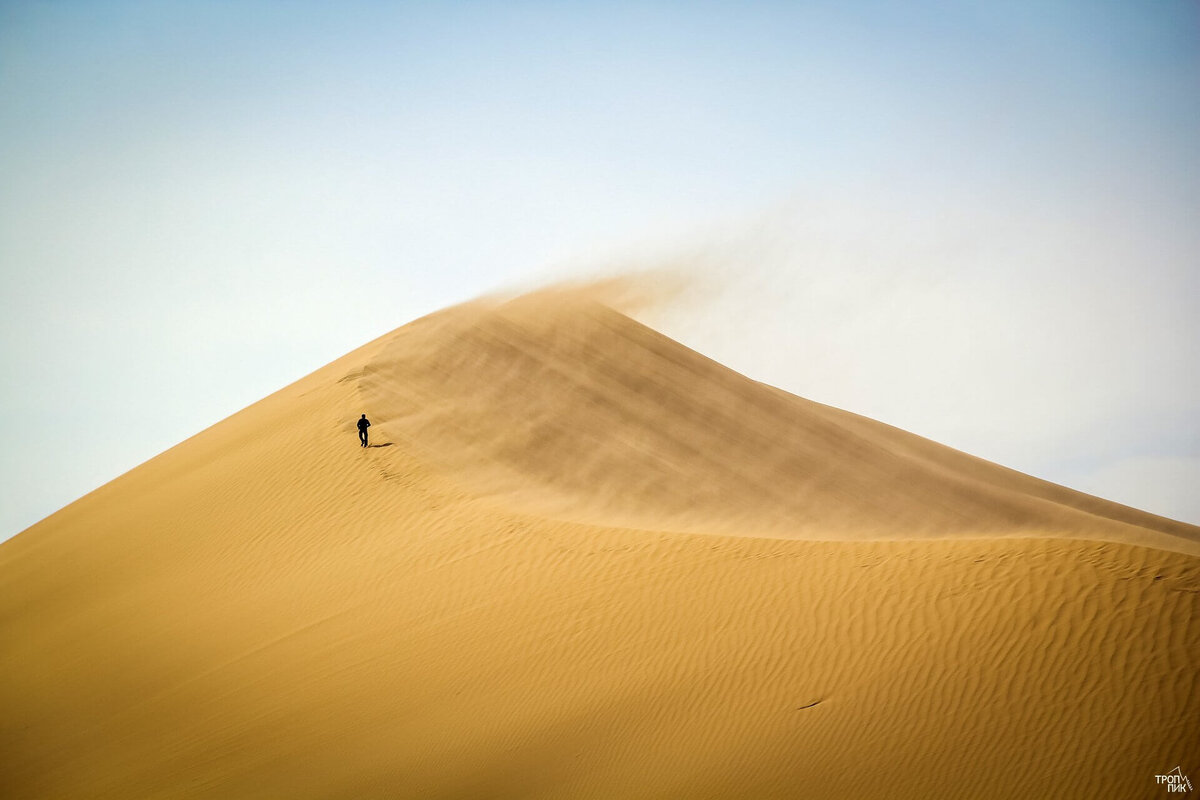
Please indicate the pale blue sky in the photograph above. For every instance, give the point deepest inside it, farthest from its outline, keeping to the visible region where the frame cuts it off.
(973, 220)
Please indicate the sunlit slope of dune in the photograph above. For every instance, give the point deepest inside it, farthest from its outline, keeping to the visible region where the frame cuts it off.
(479, 607)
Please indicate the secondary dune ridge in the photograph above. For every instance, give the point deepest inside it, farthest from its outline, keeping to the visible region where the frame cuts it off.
(582, 560)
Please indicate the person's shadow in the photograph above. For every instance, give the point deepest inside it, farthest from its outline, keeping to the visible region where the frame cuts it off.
(385, 444)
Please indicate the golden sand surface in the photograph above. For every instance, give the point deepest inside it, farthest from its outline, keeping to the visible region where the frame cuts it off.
(582, 560)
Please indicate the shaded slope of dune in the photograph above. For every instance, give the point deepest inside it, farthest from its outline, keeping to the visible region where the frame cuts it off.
(519, 596)
(564, 406)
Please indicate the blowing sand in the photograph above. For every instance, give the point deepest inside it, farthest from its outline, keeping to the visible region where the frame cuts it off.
(581, 560)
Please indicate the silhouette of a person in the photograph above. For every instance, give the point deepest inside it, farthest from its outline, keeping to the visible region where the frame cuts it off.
(363, 424)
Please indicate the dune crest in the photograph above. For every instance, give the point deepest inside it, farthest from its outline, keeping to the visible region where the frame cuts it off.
(581, 560)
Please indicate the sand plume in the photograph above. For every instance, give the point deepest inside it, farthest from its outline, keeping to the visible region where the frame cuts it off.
(559, 404)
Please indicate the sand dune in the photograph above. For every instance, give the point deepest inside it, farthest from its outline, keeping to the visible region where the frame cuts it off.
(585, 561)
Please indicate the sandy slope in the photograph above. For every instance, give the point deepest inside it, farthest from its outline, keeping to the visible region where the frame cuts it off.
(587, 562)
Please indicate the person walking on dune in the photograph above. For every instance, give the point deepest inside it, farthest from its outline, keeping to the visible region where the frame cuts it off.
(363, 424)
